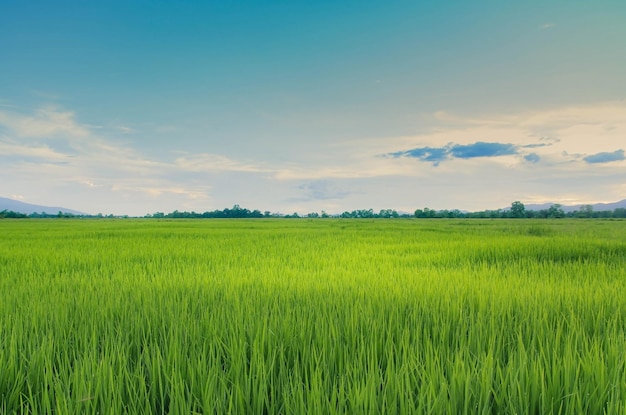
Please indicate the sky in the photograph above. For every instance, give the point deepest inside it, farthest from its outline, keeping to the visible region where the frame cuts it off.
(135, 107)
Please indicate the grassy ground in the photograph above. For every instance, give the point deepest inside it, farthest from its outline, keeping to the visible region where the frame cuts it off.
(312, 316)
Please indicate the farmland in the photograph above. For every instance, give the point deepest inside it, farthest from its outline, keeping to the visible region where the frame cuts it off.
(312, 316)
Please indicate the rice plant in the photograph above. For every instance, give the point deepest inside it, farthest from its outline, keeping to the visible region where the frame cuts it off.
(312, 316)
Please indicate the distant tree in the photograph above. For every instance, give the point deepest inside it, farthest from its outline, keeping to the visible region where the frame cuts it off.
(619, 213)
(363, 213)
(586, 211)
(64, 215)
(518, 210)
(456, 213)
(388, 213)
(12, 215)
(555, 211)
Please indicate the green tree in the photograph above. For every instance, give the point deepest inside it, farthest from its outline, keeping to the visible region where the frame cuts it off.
(518, 210)
(586, 211)
(555, 211)
(11, 214)
(619, 213)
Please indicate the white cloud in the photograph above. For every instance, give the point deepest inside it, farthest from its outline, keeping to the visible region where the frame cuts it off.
(126, 130)
(214, 162)
(155, 190)
(46, 122)
(43, 152)
(351, 166)
(91, 184)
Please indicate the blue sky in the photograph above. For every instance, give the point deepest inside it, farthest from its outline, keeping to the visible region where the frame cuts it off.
(131, 107)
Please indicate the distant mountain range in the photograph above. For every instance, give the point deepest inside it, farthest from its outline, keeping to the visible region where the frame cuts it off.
(27, 208)
(572, 208)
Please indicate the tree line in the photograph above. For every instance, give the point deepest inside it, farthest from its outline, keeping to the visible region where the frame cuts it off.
(516, 211)
(9, 214)
(519, 211)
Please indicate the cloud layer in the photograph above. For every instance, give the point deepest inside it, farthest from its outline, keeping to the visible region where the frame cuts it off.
(569, 155)
(570, 137)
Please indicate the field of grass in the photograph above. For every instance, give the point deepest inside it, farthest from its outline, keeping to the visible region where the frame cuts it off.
(312, 316)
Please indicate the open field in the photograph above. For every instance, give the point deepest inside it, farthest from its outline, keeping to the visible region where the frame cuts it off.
(317, 316)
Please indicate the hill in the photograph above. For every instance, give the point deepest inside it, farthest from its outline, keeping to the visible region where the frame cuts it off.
(28, 208)
(572, 208)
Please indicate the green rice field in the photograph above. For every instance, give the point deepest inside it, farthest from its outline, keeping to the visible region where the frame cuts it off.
(320, 316)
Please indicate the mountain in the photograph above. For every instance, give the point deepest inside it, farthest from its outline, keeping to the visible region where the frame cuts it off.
(571, 208)
(27, 208)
